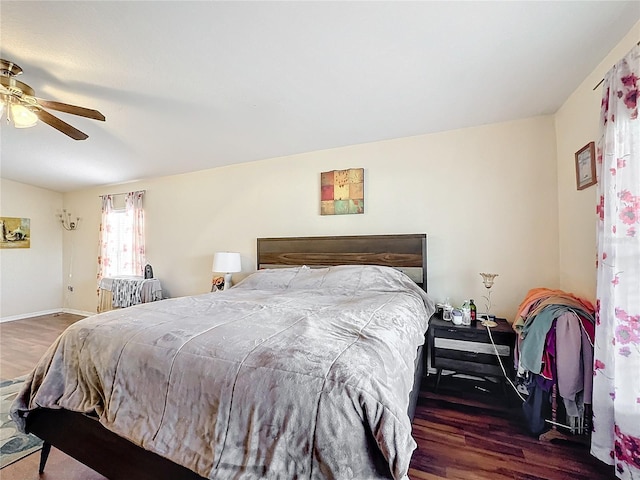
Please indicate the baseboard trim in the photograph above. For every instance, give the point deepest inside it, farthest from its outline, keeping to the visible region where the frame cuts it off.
(29, 315)
(78, 312)
(45, 312)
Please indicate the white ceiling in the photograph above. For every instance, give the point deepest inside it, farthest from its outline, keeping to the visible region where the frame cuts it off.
(187, 86)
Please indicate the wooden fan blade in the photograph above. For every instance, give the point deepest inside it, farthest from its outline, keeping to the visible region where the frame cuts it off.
(72, 109)
(58, 124)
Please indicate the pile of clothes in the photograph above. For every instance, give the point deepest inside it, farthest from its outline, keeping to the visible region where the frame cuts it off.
(554, 352)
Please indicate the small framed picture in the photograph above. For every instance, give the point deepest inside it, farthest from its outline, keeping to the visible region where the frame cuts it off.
(217, 284)
(586, 166)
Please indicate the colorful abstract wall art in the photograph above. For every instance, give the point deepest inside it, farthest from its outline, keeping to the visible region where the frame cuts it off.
(15, 232)
(342, 192)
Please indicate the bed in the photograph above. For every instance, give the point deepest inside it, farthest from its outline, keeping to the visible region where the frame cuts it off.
(308, 368)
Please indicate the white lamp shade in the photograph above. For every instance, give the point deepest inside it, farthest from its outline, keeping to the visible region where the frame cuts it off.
(226, 262)
(22, 117)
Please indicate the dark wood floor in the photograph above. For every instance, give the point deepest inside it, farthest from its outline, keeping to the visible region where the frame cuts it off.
(466, 434)
(461, 432)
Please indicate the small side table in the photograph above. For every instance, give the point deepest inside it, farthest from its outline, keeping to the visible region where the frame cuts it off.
(468, 349)
(149, 290)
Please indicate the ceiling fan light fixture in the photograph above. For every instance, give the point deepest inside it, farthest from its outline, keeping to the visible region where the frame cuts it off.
(22, 117)
(24, 109)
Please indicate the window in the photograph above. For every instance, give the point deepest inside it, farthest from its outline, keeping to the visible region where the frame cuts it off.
(122, 250)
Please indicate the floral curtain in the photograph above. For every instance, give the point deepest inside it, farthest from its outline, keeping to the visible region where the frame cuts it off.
(105, 256)
(616, 388)
(122, 250)
(135, 260)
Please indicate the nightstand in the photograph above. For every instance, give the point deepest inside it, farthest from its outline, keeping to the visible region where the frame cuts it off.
(468, 349)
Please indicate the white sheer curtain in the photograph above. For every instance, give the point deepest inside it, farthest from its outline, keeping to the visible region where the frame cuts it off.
(616, 386)
(135, 261)
(105, 254)
(122, 248)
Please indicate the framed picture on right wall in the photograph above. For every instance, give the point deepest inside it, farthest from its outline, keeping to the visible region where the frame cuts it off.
(586, 166)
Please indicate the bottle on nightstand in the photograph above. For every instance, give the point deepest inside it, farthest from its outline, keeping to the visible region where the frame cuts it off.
(466, 314)
(474, 312)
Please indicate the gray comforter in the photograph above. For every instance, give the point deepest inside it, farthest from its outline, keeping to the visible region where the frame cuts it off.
(293, 373)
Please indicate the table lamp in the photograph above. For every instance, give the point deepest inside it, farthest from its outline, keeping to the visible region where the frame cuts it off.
(487, 280)
(227, 263)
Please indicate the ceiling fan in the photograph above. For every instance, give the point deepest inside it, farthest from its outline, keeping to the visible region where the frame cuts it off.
(24, 108)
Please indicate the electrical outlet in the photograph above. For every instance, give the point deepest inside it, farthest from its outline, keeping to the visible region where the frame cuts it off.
(70, 288)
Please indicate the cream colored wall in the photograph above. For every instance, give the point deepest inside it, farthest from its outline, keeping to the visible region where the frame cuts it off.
(486, 197)
(490, 198)
(576, 125)
(31, 279)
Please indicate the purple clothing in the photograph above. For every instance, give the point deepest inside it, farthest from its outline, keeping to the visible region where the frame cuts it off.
(549, 354)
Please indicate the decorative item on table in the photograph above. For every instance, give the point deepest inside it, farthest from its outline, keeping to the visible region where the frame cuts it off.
(456, 316)
(446, 310)
(487, 280)
(148, 271)
(227, 263)
(217, 284)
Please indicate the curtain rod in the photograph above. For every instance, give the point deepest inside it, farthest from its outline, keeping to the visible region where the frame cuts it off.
(600, 82)
(123, 193)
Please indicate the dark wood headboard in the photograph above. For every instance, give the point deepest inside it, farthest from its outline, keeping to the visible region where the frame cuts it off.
(407, 252)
